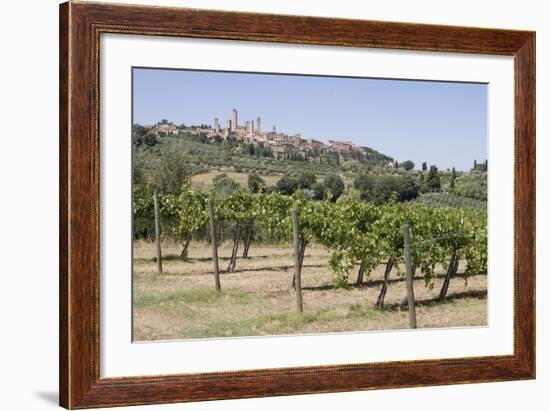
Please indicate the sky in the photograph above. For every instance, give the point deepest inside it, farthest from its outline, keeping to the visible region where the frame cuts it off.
(441, 123)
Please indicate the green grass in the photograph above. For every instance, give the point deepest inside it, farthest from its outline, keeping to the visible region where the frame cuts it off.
(201, 296)
(284, 323)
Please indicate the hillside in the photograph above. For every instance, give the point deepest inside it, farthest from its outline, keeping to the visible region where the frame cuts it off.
(362, 170)
(204, 155)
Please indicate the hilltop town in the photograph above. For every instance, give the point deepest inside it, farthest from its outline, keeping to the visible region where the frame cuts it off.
(285, 162)
(250, 132)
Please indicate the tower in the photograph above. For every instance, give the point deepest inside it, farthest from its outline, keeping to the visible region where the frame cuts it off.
(251, 127)
(216, 125)
(234, 123)
(258, 125)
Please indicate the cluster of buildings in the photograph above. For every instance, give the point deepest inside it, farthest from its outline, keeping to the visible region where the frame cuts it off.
(164, 128)
(251, 132)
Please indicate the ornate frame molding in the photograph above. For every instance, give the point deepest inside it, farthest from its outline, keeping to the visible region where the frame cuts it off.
(81, 24)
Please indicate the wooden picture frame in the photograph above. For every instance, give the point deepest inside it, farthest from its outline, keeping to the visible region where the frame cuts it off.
(80, 27)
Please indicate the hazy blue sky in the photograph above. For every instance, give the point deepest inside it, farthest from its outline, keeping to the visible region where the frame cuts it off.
(437, 122)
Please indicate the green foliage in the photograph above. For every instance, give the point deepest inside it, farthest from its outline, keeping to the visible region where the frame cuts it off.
(350, 165)
(352, 230)
(350, 194)
(171, 172)
(224, 185)
(203, 152)
(450, 200)
(143, 211)
(407, 165)
(306, 180)
(318, 191)
(166, 170)
(453, 179)
(239, 206)
(475, 250)
(433, 182)
(272, 209)
(352, 236)
(191, 209)
(287, 185)
(435, 234)
(334, 185)
(341, 263)
(142, 137)
(379, 189)
(472, 185)
(359, 224)
(255, 183)
(364, 232)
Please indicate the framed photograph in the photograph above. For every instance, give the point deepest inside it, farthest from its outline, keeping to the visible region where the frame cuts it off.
(259, 205)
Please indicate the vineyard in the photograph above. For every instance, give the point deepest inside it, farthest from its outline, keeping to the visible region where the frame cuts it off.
(354, 243)
(450, 200)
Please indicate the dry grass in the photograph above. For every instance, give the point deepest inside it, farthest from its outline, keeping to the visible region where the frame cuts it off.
(257, 299)
(204, 180)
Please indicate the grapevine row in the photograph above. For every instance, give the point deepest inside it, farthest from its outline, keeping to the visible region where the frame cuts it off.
(353, 231)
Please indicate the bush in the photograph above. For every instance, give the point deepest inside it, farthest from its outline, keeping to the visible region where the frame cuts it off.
(318, 190)
(379, 189)
(287, 185)
(407, 165)
(335, 184)
(306, 179)
(255, 183)
(224, 185)
(433, 183)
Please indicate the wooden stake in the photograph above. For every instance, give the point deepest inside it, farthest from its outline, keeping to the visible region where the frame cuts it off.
(409, 271)
(360, 273)
(214, 242)
(297, 262)
(157, 231)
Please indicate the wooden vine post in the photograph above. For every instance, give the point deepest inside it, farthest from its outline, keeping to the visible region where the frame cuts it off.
(297, 262)
(157, 231)
(409, 273)
(214, 242)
